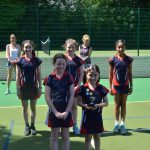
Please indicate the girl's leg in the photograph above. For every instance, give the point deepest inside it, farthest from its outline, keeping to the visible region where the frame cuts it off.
(25, 116)
(123, 106)
(54, 138)
(33, 116)
(123, 113)
(65, 138)
(88, 138)
(10, 70)
(117, 112)
(74, 115)
(117, 106)
(97, 141)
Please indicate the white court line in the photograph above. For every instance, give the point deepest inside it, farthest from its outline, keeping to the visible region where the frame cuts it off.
(5, 107)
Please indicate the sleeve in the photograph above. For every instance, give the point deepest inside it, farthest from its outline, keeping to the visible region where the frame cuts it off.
(104, 91)
(19, 62)
(79, 62)
(80, 91)
(111, 61)
(70, 79)
(130, 59)
(38, 61)
(48, 81)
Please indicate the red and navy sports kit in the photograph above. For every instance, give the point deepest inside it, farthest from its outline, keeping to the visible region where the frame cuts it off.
(60, 98)
(92, 119)
(28, 77)
(120, 81)
(73, 66)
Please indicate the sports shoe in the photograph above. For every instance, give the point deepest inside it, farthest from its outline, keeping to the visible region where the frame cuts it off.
(76, 130)
(7, 92)
(33, 131)
(27, 131)
(116, 129)
(123, 130)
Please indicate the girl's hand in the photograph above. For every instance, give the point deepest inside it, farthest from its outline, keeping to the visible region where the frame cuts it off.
(130, 91)
(19, 93)
(90, 108)
(85, 106)
(111, 92)
(58, 115)
(76, 88)
(64, 115)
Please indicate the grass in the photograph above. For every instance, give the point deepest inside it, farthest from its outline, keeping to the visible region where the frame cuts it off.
(96, 53)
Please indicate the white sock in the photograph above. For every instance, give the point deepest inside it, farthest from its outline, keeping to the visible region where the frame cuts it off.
(116, 122)
(122, 123)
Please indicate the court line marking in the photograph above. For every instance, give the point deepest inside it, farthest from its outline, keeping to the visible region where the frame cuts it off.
(9, 135)
(146, 101)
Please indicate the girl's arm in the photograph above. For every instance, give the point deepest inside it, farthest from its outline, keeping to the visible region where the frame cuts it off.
(130, 78)
(39, 76)
(104, 103)
(70, 103)
(110, 77)
(79, 102)
(49, 102)
(8, 53)
(17, 77)
(71, 99)
(19, 53)
(18, 81)
(90, 52)
(81, 75)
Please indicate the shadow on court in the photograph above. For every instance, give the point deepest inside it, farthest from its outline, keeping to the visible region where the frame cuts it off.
(3, 133)
(39, 142)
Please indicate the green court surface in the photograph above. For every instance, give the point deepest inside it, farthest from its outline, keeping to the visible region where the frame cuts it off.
(137, 122)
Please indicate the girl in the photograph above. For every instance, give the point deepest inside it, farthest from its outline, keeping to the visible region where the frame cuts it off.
(92, 98)
(75, 68)
(59, 95)
(120, 78)
(28, 83)
(85, 50)
(13, 51)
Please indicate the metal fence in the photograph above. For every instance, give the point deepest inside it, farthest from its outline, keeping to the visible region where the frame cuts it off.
(104, 26)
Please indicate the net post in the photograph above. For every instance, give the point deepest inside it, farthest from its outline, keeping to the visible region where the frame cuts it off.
(138, 40)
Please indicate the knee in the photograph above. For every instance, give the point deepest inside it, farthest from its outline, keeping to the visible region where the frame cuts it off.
(25, 109)
(54, 138)
(65, 138)
(88, 139)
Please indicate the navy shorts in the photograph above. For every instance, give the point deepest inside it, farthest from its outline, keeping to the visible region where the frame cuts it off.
(54, 122)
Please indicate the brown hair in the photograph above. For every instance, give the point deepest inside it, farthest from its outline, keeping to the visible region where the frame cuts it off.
(33, 45)
(91, 67)
(72, 41)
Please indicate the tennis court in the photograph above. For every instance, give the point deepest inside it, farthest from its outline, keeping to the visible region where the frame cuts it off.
(137, 122)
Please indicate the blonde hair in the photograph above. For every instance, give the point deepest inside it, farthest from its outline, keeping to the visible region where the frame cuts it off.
(12, 35)
(71, 41)
(86, 37)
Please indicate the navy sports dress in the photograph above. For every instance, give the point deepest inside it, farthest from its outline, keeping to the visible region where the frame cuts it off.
(60, 97)
(92, 119)
(28, 77)
(120, 81)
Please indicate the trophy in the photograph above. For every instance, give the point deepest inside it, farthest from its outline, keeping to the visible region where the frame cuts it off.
(91, 104)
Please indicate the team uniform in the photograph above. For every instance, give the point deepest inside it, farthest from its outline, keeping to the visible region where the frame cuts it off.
(60, 98)
(84, 51)
(120, 81)
(14, 54)
(73, 66)
(28, 77)
(92, 119)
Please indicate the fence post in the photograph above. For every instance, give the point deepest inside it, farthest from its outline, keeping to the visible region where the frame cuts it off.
(89, 12)
(138, 44)
(37, 29)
